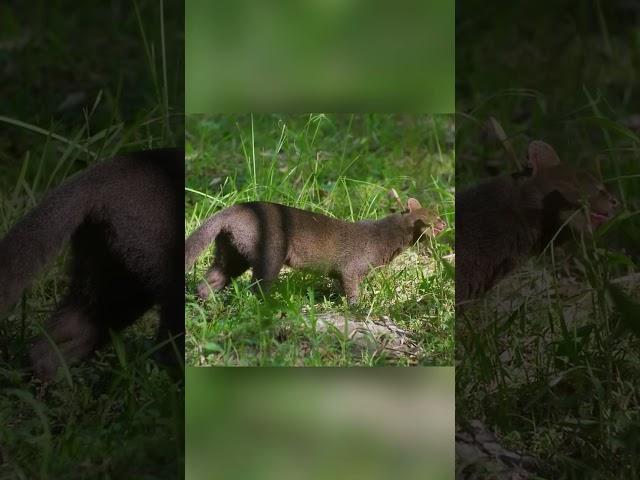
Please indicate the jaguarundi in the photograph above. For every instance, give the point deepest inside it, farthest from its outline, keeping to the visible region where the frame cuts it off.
(123, 219)
(266, 236)
(503, 221)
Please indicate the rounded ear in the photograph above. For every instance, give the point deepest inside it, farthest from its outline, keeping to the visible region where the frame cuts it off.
(541, 155)
(413, 204)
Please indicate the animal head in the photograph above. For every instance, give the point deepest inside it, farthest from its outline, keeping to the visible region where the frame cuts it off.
(572, 189)
(424, 221)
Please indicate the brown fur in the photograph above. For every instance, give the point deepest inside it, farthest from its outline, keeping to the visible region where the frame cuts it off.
(123, 220)
(266, 236)
(503, 221)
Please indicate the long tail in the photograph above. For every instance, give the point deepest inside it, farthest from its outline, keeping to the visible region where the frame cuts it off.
(199, 240)
(35, 239)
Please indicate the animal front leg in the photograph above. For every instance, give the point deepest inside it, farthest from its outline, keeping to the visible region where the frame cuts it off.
(351, 285)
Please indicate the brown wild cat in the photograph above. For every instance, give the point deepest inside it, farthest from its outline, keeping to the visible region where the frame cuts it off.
(266, 236)
(503, 221)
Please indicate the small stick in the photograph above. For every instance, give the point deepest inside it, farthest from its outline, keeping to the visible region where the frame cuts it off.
(396, 197)
(503, 138)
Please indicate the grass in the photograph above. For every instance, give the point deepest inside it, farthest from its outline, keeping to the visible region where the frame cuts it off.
(549, 358)
(341, 166)
(117, 415)
(356, 423)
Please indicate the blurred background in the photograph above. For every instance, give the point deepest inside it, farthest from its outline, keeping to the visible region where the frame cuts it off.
(320, 424)
(547, 358)
(318, 55)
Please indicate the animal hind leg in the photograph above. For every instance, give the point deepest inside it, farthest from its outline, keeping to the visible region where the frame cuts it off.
(171, 329)
(103, 295)
(81, 326)
(265, 273)
(227, 265)
(72, 332)
(215, 279)
(71, 335)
